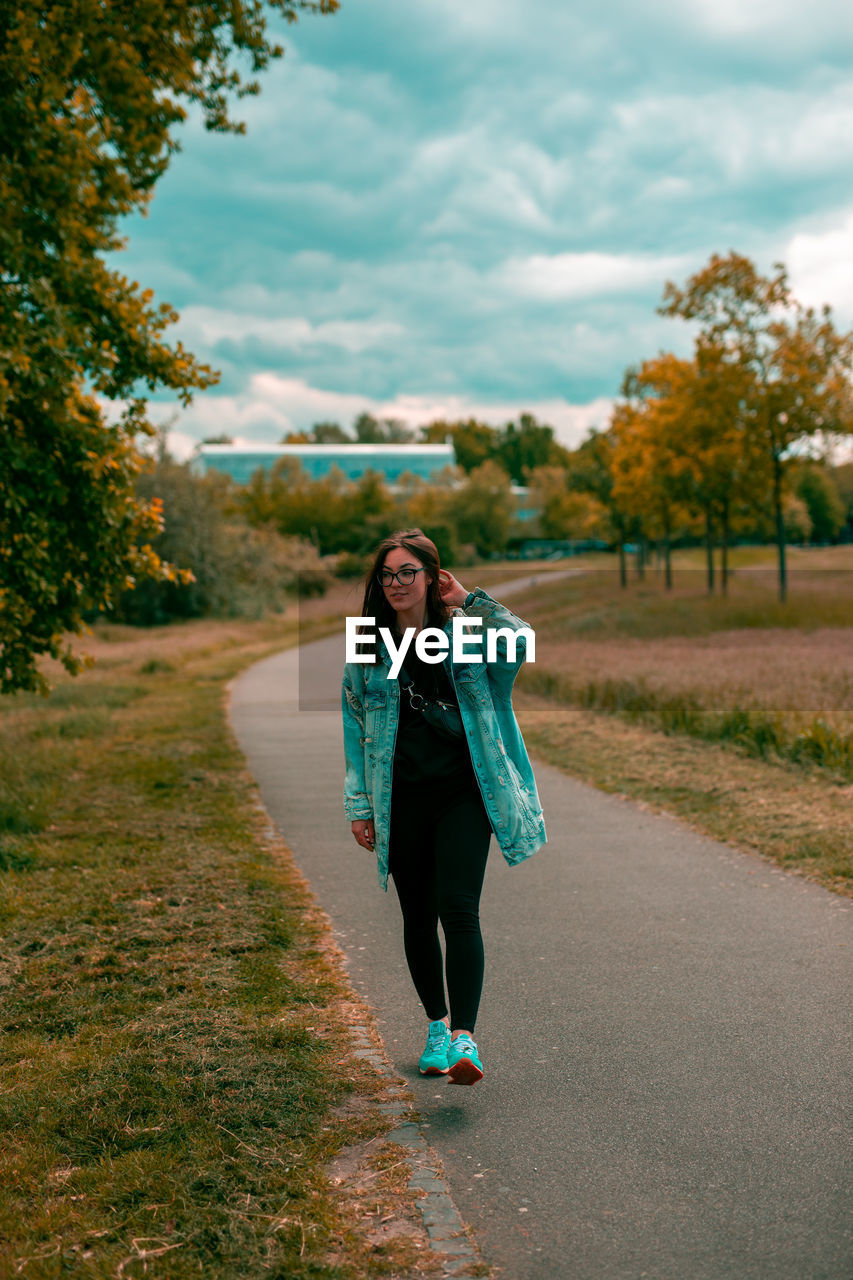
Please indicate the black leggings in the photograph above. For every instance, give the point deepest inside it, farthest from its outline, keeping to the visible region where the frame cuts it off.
(439, 843)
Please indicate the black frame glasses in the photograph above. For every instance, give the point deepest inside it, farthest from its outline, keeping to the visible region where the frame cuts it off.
(404, 576)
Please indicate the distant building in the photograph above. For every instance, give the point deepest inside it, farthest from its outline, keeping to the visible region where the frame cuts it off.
(240, 462)
(391, 461)
(523, 508)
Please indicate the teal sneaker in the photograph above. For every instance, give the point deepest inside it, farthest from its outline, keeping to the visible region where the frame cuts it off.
(464, 1061)
(434, 1057)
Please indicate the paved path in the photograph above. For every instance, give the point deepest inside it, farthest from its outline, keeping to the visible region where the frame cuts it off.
(663, 1025)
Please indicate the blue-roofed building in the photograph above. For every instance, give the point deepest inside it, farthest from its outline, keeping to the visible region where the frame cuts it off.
(240, 462)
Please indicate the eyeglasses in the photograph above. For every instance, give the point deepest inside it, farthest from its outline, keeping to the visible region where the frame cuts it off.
(405, 577)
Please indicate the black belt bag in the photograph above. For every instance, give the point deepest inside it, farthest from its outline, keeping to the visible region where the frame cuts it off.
(444, 717)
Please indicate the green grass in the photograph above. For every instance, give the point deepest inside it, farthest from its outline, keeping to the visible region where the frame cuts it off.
(174, 1045)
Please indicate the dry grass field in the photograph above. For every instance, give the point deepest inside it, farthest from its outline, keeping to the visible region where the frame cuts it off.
(735, 712)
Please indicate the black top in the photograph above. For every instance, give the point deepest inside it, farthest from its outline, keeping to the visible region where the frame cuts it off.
(422, 753)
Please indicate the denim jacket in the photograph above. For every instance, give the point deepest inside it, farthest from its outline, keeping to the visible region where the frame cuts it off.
(371, 711)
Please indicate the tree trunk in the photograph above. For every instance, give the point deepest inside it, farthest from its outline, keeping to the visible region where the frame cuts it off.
(724, 543)
(640, 558)
(667, 561)
(780, 527)
(623, 567)
(709, 549)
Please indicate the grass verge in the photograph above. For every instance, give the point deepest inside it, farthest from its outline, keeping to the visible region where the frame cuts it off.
(176, 1060)
(755, 730)
(800, 819)
(734, 713)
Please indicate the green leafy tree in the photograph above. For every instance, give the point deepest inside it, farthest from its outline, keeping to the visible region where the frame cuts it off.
(525, 446)
(329, 433)
(473, 442)
(843, 477)
(592, 471)
(236, 570)
(482, 509)
(320, 433)
(816, 487)
(371, 430)
(90, 95)
(333, 512)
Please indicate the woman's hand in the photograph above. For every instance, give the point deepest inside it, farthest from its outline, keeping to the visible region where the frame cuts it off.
(451, 591)
(362, 829)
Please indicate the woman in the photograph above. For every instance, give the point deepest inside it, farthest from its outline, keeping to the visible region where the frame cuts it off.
(428, 799)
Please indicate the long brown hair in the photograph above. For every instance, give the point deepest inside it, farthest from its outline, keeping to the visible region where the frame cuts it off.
(425, 551)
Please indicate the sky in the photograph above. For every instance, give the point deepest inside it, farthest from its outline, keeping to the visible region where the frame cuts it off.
(455, 208)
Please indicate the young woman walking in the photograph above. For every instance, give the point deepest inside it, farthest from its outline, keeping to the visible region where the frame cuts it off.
(435, 764)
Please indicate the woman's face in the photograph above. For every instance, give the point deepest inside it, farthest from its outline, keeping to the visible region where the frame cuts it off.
(402, 595)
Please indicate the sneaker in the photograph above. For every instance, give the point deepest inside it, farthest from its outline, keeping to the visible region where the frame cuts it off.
(463, 1060)
(434, 1057)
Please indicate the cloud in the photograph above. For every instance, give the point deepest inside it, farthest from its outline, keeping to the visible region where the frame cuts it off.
(478, 204)
(272, 405)
(586, 275)
(209, 326)
(779, 20)
(820, 265)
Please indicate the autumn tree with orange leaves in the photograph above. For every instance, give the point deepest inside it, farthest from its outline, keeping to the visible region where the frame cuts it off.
(650, 431)
(775, 376)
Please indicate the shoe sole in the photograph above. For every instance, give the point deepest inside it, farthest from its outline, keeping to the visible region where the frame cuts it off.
(465, 1072)
(433, 1071)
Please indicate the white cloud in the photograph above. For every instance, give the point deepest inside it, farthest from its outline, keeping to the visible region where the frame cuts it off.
(272, 406)
(586, 275)
(207, 325)
(485, 199)
(780, 19)
(820, 266)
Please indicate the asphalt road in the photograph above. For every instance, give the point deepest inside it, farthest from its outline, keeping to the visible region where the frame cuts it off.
(665, 1025)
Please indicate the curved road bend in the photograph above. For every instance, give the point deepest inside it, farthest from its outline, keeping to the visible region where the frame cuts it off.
(664, 1026)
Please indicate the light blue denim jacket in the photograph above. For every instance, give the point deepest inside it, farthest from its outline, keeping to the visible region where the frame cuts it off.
(371, 711)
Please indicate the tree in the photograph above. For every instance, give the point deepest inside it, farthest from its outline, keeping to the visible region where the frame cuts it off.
(90, 94)
(320, 433)
(816, 487)
(563, 512)
(681, 449)
(793, 367)
(333, 512)
(236, 570)
(528, 445)
(329, 433)
(843, 477)
(592, 471)
(473, 442)
(370, 430)
(482, 509)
